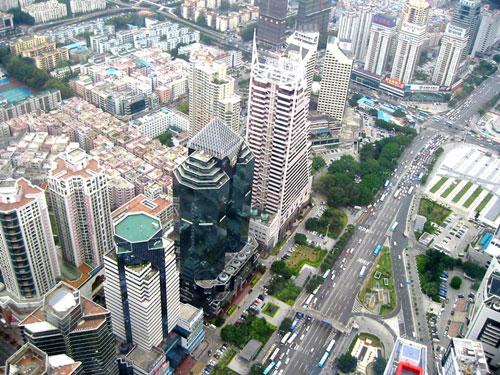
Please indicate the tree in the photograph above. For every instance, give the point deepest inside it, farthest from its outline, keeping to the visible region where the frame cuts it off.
(206, 39)
(166, 139)
(313, 283)
(257, 369)
(300, 239)
(496, 58)
(347, 363)
(317, 163)
(456, 282)
(21, 17)
(399, 113)
(202, 20)
(285, 325)
(183, 107)
(379, 366)
(353, 102)
(279, 267)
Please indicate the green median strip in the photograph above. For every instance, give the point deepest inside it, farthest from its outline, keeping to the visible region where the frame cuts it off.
(438, 185)
(484, 202)
(450, 188)
(462, 192)
(473, 197)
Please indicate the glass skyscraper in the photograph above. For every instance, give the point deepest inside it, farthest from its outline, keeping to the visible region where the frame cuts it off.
(212, 194)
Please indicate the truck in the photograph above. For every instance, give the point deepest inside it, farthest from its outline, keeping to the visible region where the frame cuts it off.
(362, 272)
(393, 226)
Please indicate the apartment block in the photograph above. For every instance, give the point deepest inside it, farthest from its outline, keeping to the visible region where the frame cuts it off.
(6, 22)
(453, 44)
(86, 6)
(46, 11)
(382, 34)
(154, 124)
(45, 101)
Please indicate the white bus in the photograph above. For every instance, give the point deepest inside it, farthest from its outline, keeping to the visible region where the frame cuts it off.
(275, 353)
(327, 272)
(362, 272)
(292, 338)
(410, 190)
(394, 226)
(308, 301)
(316, 290)
(330, 346)
(285, 338)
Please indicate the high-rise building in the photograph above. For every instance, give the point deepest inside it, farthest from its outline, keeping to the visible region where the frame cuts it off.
(271, 26)
(467, 14)
(416, 12)
(70, 324)
(142, 281)
(314, 15)
(489, 31)
(277, 134)
(464, 356)
(407, 357)
(484, 318)
(304, 46)
(28, 258)
(354, 29)
(382, 32)
(211, 93)
(79, 196)
(335, 79)
(31, 360)
(212, 194)
(453, 43)
(409, 46)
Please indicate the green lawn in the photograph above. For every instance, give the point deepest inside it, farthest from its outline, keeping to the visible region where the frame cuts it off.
(287, 292)
(462, 192)
(438, 185)
(384, 266)
(270, 309)
(473, 197)
(484, 202)
(450, 188)
(251, 328)
(231, 309)
(433, 211)
(255, 280)
(305, 255)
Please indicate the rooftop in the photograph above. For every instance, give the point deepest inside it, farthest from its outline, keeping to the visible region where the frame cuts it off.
(145, 360)
(407, 357)
(470, 356)
(137, 227)
(29, 360)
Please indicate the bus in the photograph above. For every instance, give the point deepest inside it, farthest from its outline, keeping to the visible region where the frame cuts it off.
(377, 249)
(330, 346)
(393, 226)
(269, 368)
(316, 290)
(275, 353)
(308, 301)
(268, 354)
(294, 324)
(323, 359)
(396, 194)
(362, 272)
(410, 190)
(285, 338)
(386, 184)
(383, 197)
(327, 272)
(292, 338)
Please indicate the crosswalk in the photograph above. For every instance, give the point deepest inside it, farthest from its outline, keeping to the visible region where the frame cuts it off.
(364, 262)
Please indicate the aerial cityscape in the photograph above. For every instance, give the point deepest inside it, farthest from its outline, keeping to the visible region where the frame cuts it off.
(249, 187)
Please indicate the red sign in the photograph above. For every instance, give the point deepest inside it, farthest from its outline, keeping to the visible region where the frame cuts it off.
(394, 82)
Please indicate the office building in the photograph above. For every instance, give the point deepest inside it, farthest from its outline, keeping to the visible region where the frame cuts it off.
(409, 46)
(79, 196)
(467, 15)
(28, 258)
(464, 356)
(416, 12)
(303, 46)
(190, 327)
(484, 325)
(28, 359)
(6, 22)
(212, 194)
(382, 33)
(336, 76)
(313, 15)
(68, 323)
(271, 26)
(407, 357)
(488, 34)
(453, 44)
(211, 93)
(142, 281)
(277, 134)
(354, 30)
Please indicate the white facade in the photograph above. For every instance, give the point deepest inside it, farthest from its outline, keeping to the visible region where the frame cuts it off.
(484, 323)
(78, 188)
(154, 124)
(211, 93)
(416, 12)
(86, 6)
(354, 28)
(265, 230)
(464, 356)
(46, 11)
(8, 4)
(409, 46)
(335, 80)
(489, 31)
(28, 258)
(277, 134)
(452, 49)
(379, 45)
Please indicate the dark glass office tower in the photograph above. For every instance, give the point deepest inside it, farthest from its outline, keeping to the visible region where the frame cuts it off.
(212, 195)
(314, 15)
(272, 22)
(467, 14)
